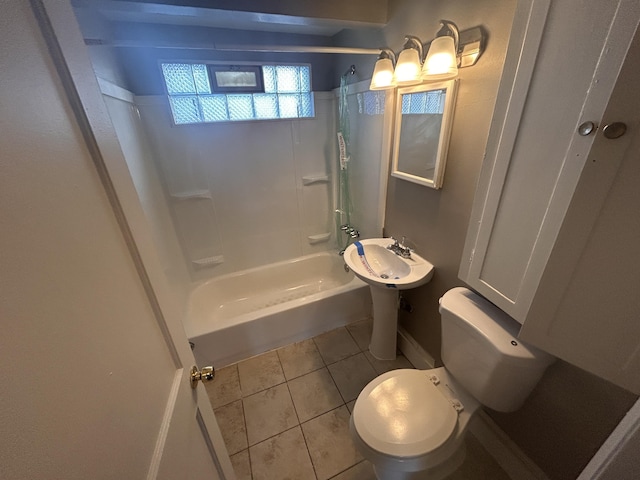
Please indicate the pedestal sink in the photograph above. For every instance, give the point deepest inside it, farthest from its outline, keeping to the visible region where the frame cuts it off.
(386, 273)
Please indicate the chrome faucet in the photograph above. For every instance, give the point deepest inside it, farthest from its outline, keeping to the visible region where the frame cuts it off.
(399, 248)
(349, 230)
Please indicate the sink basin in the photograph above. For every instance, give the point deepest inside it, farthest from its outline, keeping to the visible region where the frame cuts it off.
(373, 263)
(386, 273)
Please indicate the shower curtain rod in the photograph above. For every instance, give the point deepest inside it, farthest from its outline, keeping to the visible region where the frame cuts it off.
(234, 48)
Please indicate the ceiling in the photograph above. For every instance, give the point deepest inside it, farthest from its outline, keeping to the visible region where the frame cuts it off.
(312, 17)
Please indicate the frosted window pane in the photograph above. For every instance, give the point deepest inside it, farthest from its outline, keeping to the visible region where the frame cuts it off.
(236, 79)
(201, 78)
(374, 103)
(266, 105)
(306, 105)
(178, 78)
(305, 79)
(287, 79)
(269, 78)
(240, 107)
(288, 105)
(185, 109)
(435, 102)
(418, 103)
(214, 108)
(406, 104)
(425, 102)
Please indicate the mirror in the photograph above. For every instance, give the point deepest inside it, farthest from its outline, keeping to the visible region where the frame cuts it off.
(423, 118)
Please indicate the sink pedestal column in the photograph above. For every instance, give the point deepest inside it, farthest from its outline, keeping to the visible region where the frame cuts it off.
(385, 323)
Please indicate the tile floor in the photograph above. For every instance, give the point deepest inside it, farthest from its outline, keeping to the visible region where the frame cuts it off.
(285, 414)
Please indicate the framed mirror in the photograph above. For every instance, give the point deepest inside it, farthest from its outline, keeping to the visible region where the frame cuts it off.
(423, 118)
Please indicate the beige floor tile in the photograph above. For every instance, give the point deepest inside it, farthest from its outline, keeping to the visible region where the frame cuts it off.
(300, 358)
(361, 471)
(241, 465)
(259, 373)
(382, 366)
(225, 387)
(361, 333)
(352, 375)
(314, 394)
(231, 421)
(329, 442)
(336, 345)
(284, 456)
(268, 413)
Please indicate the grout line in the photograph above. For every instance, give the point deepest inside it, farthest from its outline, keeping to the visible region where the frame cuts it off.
(246, 430)
(295, 410)
(302, 432)
(286, 382)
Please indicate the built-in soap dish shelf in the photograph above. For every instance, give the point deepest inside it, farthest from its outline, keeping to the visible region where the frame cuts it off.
(312, 179)
(319, 238)
(191, 195)
(208, 262)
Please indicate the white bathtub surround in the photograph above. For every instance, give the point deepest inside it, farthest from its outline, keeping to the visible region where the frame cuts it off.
(138, 154)
(236, 316)
(255, 192)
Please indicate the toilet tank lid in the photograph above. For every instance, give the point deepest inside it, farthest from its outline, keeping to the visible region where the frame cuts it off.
(488, 320)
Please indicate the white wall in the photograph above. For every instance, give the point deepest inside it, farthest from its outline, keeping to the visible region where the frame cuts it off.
(253, 207)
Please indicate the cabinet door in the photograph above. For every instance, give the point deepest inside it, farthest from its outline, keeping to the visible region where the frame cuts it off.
(586, 309)
(559, 72)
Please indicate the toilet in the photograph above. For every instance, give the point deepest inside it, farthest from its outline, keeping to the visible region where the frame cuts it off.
(410, 424)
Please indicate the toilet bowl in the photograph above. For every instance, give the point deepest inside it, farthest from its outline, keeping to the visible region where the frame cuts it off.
(410, 424)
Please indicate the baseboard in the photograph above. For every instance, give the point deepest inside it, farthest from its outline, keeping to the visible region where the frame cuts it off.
(494, 440)
(411, 349)
(504, 451)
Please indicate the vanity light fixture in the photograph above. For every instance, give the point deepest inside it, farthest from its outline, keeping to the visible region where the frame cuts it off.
(409, 66)
(441, 62)
(382, 78)
(450, 50)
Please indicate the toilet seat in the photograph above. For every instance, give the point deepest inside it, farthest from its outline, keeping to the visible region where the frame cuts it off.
(403, 414)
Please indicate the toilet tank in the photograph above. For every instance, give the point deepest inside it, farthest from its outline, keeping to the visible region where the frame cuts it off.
(480, 349)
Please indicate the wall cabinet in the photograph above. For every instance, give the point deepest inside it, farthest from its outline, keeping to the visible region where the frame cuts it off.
(554, 235)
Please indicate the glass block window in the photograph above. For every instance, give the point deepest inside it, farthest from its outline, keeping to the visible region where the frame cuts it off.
(285, 93)
(372, 102)
(423, 102)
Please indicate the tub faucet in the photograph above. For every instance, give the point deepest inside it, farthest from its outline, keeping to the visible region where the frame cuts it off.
(399, 248)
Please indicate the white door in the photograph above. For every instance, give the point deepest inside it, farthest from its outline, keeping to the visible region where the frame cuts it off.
(94, 377)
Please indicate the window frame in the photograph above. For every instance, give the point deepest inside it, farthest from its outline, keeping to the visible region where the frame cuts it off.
(212, 68)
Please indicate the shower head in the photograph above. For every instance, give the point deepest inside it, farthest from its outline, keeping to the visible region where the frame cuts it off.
(350, 71)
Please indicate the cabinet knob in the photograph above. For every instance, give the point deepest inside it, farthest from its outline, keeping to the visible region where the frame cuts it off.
(614, 130)
(587, 128)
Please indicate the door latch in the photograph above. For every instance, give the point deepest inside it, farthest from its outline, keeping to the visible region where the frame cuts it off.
(206, 375)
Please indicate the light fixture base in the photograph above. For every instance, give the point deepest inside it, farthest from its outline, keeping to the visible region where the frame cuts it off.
(471, 46)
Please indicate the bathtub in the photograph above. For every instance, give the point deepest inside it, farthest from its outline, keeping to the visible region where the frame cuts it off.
(235, 316)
